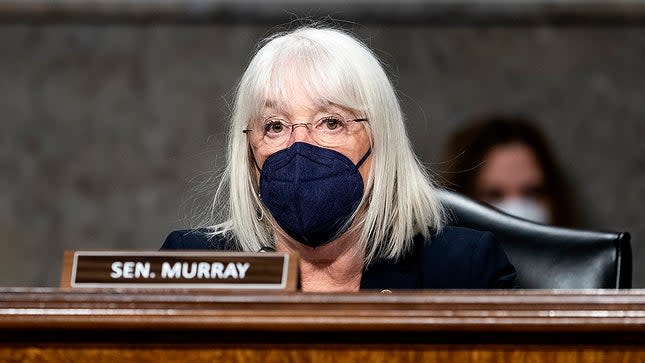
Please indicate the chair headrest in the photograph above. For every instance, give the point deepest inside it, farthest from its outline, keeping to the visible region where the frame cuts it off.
(548, 256)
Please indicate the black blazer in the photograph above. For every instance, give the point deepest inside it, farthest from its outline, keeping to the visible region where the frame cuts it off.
(455, 258)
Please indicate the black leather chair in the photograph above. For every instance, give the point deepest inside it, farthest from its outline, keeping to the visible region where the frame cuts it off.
(548, 257)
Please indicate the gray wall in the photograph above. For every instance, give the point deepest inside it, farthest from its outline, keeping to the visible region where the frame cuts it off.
(108, 130)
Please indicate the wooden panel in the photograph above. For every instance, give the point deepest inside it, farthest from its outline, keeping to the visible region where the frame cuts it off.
(331, 354)
(66, 270)
(503, 311)
(101, 325)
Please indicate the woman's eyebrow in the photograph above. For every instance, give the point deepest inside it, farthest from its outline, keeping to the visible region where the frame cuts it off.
(274, 107)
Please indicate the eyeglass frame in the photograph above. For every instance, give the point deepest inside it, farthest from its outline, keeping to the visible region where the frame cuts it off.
(293, 125)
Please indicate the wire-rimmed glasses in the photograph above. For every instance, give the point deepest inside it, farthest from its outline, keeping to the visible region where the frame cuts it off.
(330, 130)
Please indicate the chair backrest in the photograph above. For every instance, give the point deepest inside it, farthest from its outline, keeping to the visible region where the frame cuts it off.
(548, 257)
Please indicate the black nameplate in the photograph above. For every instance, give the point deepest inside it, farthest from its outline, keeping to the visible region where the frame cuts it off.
(165, 269)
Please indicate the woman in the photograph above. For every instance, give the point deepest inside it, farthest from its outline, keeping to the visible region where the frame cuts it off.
(505, 161)
(319, 163)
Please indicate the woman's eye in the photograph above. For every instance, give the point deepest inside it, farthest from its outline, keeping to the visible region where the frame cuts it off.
(331, 123)
(492, 195)
(274, 127)
(534, 191)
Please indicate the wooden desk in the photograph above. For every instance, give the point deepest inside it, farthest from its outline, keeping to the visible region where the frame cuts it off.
(47, 325)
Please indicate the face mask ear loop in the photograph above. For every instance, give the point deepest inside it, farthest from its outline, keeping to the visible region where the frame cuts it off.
(255, 162)
(367, 154)
(360, 162)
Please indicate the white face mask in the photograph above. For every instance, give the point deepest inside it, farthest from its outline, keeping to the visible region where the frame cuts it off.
(525, 208)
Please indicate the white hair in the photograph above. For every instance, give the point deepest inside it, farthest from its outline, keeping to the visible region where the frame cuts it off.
(332, 67)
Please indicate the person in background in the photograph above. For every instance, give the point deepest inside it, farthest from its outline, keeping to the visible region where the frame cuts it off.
(506, 162)
(319, 164)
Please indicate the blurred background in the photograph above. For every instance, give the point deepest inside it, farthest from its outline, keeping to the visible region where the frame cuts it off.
(113, 112)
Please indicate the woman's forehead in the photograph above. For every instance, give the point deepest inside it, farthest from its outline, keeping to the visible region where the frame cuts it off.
(301, 106)
(304, 87)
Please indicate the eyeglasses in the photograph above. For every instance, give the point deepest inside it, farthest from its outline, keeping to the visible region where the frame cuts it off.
(331, 130)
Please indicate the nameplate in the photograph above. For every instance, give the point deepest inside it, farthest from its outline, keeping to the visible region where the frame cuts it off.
(185, 269)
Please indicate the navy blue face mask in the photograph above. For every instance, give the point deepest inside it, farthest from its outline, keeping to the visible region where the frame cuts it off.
(311, 191)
